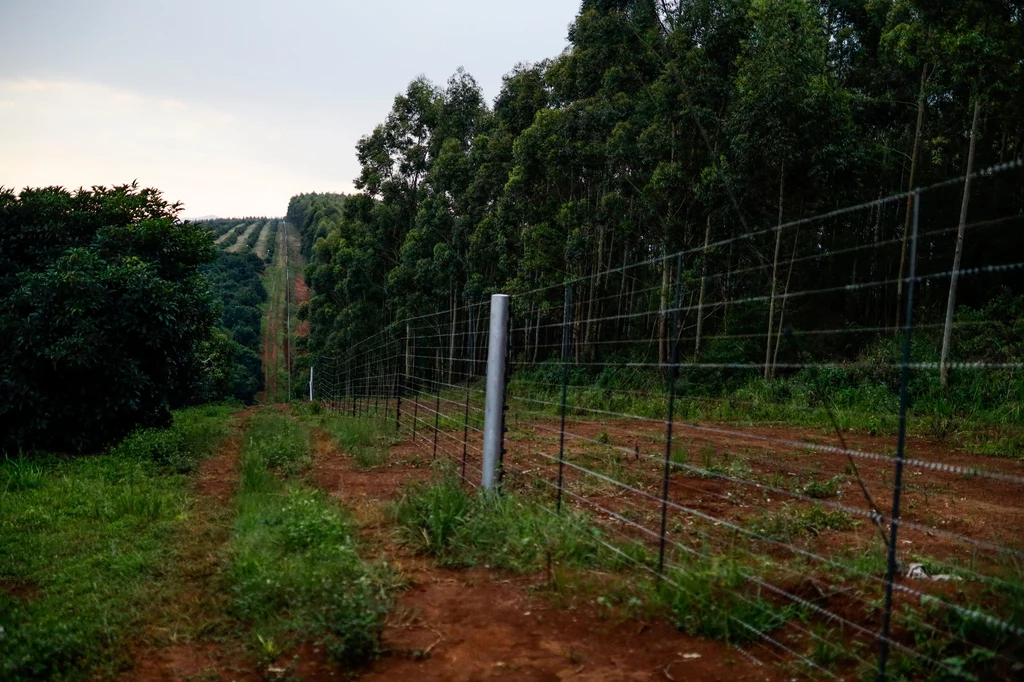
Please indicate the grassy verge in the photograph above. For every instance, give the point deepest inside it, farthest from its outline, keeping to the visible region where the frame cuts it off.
(85, 541)
(714, 591)
(294, 569)
(365, 439)
(702, 596)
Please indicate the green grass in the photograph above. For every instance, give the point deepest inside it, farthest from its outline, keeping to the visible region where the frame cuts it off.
(499, 531)
(84, 543)
(275, 441)
(705, 595)
(294, 570)
(365, 439)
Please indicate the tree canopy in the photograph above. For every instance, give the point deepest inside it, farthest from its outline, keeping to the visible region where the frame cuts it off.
(661, 121)
(105, 320)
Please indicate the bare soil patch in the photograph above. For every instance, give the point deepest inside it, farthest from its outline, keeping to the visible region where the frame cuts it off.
(480, 624)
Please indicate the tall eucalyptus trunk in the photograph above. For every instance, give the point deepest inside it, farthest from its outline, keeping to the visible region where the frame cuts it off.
(910, 186)
(947, 332)
(775, 268)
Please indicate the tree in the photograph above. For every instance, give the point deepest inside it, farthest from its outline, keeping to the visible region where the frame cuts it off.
(103, 314)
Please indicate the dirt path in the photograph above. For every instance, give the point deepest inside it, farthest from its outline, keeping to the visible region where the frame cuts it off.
(272, 327)
(189, 635)
(240, 242)
(230, 234)
(261, 243)
(463, 625)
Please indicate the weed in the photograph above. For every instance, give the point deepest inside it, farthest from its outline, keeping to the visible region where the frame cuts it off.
(275, 441)
(191, 437)
(432, 514)
(818, 518)
(502, 531)
(787, 524)
(710, 596)
(820, 490)
(20, 474)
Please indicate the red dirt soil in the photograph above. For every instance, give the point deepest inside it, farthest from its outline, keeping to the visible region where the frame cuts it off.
(156, 657)
(301, 293)
(462, 625)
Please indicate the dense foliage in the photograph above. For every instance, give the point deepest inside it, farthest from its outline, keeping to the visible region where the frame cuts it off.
(670, 125)
(236, 280)
(105, 319)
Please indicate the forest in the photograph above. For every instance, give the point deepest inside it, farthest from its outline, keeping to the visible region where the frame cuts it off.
(697, 126)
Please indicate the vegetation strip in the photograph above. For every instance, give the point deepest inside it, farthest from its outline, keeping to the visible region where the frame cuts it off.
(86, 543)
(294, 569)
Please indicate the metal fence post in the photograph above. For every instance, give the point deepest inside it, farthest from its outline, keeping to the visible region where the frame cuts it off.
(494, 404)
(437, 405)
(897, 486)
(566, 317)
(415, 395)
(311, 383)
(672, 371)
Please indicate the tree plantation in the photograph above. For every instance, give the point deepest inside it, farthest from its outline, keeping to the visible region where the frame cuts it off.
(685, 126)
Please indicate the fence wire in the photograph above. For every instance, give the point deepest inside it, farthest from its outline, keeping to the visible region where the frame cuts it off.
(777, 417)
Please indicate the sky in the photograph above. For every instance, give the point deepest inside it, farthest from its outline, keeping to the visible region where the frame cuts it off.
(233, 106)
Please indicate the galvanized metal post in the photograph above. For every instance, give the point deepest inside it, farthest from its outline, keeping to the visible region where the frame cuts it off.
(494, 403)
(311, 383)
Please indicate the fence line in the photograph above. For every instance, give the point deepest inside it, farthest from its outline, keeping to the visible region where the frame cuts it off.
(835, 479)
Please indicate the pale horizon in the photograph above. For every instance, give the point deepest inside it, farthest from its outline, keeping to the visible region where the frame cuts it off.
(228, 107)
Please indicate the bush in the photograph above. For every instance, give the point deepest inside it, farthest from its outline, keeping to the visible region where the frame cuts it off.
(103, 314)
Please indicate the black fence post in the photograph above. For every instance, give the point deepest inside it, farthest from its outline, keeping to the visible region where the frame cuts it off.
(897, 486)
(416, 393)
(566, 318)
(672, 371)
(437, 403)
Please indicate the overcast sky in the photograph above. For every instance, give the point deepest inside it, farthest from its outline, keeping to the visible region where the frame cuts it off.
(233, 106)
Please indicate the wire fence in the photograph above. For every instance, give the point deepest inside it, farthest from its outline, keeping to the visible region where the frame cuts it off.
(780, 422)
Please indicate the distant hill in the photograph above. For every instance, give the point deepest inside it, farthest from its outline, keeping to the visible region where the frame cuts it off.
(203, 217)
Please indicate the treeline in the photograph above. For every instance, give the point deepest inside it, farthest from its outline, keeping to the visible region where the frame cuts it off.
(235, 277)
(672, 125)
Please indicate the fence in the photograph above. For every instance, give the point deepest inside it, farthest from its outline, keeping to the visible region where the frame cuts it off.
(779, 422)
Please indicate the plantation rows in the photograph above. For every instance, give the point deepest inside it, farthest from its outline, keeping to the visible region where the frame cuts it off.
(249, 235)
